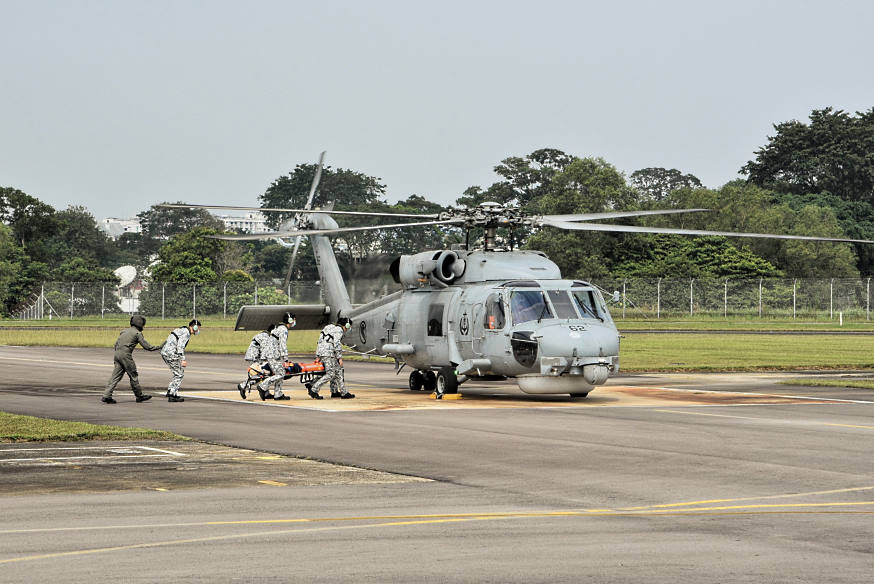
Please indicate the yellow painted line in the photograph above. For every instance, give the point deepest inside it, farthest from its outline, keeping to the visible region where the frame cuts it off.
(851, 426)
(161, 489)
(762, 498)
(273, 483)
(396, 523)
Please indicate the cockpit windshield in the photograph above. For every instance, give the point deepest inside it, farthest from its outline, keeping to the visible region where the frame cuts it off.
(585, 300)
(562, 304)
(527, 305)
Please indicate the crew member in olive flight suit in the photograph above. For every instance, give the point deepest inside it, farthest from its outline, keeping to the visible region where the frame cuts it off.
(124, 360)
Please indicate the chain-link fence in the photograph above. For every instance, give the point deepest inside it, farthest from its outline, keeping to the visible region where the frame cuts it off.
(637, 298)
(766, 298)
(70, 300)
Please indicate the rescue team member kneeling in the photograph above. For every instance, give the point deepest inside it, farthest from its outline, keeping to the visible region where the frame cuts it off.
(173, 354)
(330, 353)
(124, 360)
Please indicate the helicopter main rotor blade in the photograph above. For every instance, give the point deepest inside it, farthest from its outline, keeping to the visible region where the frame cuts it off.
(308, 205)
(278, 210)
(316, 180)
(638, 229)
(275, 234)
(616, 214)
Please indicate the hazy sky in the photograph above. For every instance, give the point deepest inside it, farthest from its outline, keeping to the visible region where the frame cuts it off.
(117, 105)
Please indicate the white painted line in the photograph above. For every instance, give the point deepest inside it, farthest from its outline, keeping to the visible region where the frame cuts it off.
(114, 452)
(779, 395)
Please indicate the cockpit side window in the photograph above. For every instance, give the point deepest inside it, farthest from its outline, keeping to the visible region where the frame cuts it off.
(494, 314)
(527, 305)
(587, 304)
(561, 301)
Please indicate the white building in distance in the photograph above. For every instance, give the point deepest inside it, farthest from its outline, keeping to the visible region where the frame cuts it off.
(115, 228)
(253, 222)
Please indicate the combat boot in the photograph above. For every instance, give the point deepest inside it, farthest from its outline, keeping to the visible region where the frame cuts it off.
(175, 398)
(314, 394)
(108, 400)
(142, 398)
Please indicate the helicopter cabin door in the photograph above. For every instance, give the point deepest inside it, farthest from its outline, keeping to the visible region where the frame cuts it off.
(437, 327)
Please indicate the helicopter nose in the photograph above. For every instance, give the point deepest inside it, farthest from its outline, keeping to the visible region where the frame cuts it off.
(591, 343)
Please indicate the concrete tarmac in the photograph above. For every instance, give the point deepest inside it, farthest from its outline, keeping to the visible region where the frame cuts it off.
(656, 478)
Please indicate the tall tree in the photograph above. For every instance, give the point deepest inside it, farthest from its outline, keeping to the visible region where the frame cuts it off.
(831, 153)
(30, 219)
(657, 183)
(161, 223)
(190, 257)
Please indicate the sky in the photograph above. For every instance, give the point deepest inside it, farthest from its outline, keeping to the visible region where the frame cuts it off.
(119, 105)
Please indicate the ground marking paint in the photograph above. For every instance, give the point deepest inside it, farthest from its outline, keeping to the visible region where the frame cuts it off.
(416, 520)
(112, 450)
(273, 483)
(764, 419)
(570, 512)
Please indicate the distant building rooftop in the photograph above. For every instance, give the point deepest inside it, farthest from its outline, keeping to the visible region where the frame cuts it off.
(115, 227)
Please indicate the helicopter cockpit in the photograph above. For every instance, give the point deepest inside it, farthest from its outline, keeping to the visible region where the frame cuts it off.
(529, 301)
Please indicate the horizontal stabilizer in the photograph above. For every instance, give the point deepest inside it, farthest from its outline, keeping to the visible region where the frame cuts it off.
(259, 317)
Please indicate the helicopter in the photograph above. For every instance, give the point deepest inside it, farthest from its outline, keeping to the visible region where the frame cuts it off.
(470, 312)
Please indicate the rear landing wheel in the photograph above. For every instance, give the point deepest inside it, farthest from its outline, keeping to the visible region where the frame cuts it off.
(417, 380)
(430, 381)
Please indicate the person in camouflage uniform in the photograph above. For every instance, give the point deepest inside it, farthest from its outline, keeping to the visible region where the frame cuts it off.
(276, 354)
(330, 352)
(124, 360)
(173, 354)
(254, 354)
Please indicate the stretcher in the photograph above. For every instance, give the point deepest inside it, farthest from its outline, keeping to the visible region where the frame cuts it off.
(307, 373)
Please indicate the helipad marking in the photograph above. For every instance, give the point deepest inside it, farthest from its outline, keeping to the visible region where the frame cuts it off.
(113, 452)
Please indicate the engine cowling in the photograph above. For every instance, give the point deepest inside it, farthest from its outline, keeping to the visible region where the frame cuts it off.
(439, 268)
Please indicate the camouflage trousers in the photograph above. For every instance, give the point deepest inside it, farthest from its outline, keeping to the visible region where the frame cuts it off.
(278, 369)
(177, 371)
(333, 375)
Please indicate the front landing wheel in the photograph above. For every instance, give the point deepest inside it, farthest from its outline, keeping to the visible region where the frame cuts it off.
(447, 381)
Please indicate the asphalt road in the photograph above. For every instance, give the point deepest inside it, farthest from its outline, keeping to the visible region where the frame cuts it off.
(746, 488)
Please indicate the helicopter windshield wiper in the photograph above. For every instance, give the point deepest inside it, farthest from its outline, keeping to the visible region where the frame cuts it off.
(590, 310)
(542, 312)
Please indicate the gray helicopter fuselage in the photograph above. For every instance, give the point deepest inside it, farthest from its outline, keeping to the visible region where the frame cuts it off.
(502, 314)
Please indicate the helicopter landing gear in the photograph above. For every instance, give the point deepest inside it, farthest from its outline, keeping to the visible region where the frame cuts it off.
(417, 380)
(579, 395)
(430, 381)
(447, 381)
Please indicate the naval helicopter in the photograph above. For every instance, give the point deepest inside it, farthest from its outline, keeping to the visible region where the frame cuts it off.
(470, 312)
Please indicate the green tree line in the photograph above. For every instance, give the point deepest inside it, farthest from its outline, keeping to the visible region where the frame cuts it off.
(812, 177)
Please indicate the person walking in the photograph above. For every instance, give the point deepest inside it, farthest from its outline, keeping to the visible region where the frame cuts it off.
(255, 353)
(124, 360)
(173, 354)
(276, 354)
(330, 352)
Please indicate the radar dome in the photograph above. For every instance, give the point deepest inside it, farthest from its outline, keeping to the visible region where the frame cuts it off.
(126, 274)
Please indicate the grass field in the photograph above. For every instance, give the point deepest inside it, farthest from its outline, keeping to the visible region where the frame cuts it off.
(15, 428)
(834, 382)
(641, 351)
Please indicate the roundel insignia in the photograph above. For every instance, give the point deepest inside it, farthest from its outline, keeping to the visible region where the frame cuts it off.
(362, 331)
(464, 325)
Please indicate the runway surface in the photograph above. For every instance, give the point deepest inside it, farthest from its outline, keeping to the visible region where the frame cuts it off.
(656, 478)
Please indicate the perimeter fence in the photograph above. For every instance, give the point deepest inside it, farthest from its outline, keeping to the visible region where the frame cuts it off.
(848, 299)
